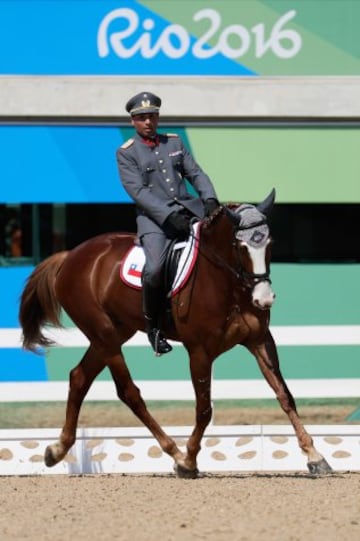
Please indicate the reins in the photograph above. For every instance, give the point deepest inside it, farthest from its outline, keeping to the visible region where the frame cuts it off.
(249, 279)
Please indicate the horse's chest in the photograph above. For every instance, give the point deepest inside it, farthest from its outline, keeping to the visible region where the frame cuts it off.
(244, 326)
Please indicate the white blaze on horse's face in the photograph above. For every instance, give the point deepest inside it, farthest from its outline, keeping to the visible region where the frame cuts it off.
(262, 294)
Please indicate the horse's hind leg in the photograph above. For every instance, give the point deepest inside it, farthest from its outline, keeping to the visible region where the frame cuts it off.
(81, 378)
(129, 393)
(267, 357)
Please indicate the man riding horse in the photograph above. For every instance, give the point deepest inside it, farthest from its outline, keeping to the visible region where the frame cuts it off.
(153, 168)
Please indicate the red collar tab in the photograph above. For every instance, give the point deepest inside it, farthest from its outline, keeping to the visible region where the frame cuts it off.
(151, 142)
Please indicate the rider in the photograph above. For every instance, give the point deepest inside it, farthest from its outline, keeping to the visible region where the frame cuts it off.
(153, 168)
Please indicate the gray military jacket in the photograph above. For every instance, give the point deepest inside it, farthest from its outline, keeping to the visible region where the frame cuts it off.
(155, 179)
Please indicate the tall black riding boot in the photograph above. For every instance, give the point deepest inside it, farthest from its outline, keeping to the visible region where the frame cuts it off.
(152, 303)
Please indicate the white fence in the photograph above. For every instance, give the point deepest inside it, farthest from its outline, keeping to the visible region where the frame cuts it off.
(134, 450)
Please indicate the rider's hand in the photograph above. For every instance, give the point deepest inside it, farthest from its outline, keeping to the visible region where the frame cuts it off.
(179, 225)
(210, 206)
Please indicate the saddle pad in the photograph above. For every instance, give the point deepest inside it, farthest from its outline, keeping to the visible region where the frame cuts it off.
(133, 262)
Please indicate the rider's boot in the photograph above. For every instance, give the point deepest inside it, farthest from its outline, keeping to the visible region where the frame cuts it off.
(152, 302)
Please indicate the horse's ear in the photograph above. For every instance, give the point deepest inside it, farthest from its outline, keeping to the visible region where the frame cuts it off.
(265, 207)
(233, 216)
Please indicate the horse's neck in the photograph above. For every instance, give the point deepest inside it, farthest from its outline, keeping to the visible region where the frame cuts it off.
(218, 262)
(217, 239)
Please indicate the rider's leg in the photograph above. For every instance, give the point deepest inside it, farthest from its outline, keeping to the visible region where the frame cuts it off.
(155, 247)
(152, 303)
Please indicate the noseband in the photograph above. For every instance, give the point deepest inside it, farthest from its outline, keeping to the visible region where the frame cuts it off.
(252, 279)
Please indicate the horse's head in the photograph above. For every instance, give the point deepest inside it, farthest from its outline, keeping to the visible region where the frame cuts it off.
(253, 249)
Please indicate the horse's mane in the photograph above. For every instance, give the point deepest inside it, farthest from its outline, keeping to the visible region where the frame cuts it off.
(249, 220)
(232, 204)
(209, 221)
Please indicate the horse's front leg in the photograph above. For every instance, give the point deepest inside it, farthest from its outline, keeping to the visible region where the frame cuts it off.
(81, 378)
(200, 367)
(267, 358)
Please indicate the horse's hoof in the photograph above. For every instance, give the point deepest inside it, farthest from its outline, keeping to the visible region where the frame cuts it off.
(49, 458)
(184, 473)
(319, 468)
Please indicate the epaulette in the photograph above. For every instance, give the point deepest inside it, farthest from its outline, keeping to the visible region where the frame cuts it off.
(172, 135)
(127, 143)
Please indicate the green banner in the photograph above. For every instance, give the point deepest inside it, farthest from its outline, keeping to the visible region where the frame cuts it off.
(305, 165)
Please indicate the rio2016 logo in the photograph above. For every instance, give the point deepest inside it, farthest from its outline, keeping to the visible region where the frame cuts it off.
(175, 42)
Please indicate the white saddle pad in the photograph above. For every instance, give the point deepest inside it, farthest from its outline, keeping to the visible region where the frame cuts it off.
(133, 263)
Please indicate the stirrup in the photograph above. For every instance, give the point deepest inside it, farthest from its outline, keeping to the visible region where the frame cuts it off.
(158, 342)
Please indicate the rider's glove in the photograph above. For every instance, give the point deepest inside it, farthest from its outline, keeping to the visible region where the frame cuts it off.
(210, 206)
(178, 225)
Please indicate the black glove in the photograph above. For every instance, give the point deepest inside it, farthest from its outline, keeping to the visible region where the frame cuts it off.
(177, 225)
(210, 206)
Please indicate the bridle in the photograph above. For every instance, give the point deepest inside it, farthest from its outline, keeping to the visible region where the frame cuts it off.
(249, 279)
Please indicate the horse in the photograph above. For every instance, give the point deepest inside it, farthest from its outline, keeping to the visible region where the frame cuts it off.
(226, 301)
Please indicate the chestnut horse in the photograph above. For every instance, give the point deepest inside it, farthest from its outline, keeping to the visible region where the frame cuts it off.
(226, 301)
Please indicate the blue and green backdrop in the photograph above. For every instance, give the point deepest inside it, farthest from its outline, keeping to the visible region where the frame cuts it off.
(77, 164)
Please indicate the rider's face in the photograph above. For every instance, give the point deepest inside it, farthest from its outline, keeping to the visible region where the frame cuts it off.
(146, 124)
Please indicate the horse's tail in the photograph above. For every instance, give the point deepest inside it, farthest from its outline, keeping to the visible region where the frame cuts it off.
(38, 302)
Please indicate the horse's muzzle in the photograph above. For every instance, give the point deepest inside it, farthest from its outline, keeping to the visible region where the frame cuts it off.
(263, 296)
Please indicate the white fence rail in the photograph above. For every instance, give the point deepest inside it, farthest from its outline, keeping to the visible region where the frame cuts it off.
(55, 391)
(292, 335)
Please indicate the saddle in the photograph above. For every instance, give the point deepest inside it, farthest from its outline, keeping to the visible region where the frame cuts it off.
(179, 263)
